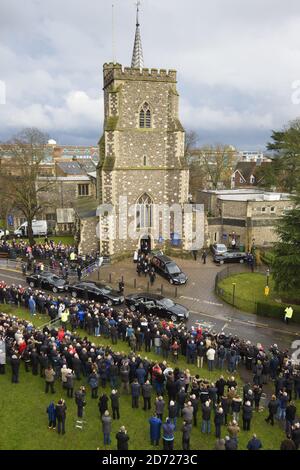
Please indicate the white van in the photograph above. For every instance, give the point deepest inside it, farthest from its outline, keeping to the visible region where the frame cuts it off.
(39, 228)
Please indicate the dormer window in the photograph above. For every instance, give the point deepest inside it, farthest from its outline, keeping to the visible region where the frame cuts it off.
(145, 116)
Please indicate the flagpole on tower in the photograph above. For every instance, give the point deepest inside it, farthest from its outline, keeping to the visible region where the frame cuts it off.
(113, 34)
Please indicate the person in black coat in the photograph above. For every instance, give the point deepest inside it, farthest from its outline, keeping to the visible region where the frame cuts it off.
(103, 404)
(61, 415)
(80, 401)
(15, 367)
(115, 406)
(247, 416)
(122, 439)
(290, 415)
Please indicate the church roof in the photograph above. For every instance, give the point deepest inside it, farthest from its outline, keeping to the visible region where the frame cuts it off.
(137, 55)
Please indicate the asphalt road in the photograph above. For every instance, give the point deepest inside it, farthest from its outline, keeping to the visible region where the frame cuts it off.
(198, 295)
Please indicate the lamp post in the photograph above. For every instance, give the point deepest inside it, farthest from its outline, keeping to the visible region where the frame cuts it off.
(233, 292)
(268, 276)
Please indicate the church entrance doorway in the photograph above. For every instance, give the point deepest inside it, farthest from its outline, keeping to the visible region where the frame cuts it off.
(145, 244)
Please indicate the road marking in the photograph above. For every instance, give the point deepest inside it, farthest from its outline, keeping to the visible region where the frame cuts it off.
(13, 277)
(211, 303)
(195, 299)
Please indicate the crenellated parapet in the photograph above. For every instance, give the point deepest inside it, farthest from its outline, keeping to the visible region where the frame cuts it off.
(113, 72)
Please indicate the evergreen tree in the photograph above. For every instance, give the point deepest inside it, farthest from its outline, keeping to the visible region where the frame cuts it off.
(286, 264)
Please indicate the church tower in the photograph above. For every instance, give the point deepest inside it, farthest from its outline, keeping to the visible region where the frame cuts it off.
(141, 149)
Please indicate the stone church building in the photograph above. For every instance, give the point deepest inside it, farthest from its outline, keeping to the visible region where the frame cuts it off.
(141, 156)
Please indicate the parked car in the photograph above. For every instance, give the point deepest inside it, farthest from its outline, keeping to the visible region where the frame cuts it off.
(218, 248)
(158, 305)
(231, 257)
(167, 268)
(48, 281)
(96, 291)
(3, 233)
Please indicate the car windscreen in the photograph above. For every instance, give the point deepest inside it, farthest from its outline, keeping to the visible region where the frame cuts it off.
(173, 268)
(168, 303)
(221, 247)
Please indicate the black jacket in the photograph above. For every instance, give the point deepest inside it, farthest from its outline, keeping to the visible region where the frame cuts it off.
(122, 441)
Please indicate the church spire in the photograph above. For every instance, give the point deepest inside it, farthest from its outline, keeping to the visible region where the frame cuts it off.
(137, 56)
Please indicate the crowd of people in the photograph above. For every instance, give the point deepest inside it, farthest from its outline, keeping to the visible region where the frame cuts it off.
(58, 353)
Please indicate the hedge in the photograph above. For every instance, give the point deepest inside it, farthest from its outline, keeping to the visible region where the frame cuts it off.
(277, 311)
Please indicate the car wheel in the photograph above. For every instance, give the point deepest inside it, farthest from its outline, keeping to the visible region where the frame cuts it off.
(221, 262)
(171, 281)
(74, 294)
(109, 302)
(54, 289)
(241, 261)
(132, 308)
(173, 318)
(31, 284)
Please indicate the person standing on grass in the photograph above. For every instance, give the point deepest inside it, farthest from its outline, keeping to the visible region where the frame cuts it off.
(61, 414)
(122, 439)
(106, 428)
(115, 406)
(80, 401)
(247, 416)
(146, 392)
(273, 407)
(186, 435)
(135, 393)
(155, 428)
(32, 305)
(51, 416)
(168, 435)
(254, 443)
(49, 379)
(15, 367)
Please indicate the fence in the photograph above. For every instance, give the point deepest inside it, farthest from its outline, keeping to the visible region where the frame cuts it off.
(232, 298)
(269, 309)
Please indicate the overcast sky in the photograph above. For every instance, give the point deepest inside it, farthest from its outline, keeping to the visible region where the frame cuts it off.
(237, 63)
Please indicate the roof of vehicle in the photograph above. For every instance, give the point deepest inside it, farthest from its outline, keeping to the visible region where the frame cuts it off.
(164, 258)
(149, 295)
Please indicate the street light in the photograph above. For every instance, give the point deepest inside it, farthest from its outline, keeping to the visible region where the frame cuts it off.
(268, 276)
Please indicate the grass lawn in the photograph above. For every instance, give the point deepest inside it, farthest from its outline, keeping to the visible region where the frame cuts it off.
(23, 418)
(249, 289)
(66, 240)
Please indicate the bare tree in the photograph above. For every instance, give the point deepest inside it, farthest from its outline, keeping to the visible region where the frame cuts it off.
(191, 141)
(217, 163)
(19, 173)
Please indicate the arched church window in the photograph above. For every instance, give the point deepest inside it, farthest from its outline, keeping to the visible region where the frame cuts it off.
(145, 116)
(143, 211)
(145, 160)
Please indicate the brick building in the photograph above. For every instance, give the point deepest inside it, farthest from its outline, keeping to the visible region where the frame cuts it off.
(247, 215)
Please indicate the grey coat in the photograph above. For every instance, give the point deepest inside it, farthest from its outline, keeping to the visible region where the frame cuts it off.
(106, 424)
(147, 390)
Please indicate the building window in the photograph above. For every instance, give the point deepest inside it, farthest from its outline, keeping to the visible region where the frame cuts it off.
(83, 189)
(145, 116)
(241, 180)
(51, 216)
(263, 209)
(272, 209)
(144, 212)
(145, 160)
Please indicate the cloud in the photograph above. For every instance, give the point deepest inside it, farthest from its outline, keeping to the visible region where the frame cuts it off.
(236, 63)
